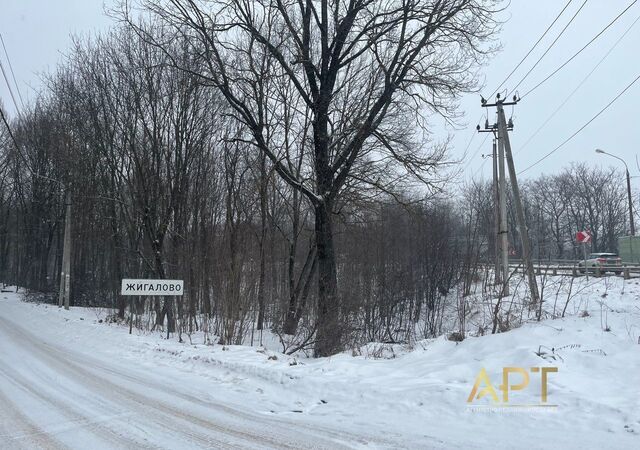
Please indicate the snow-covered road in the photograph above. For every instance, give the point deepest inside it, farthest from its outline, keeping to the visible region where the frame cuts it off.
(53, 397)
(70, 380)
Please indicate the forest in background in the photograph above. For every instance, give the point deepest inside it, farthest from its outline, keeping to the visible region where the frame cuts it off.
(293, 186)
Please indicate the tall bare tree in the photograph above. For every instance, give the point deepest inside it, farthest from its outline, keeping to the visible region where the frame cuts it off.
(366, 72)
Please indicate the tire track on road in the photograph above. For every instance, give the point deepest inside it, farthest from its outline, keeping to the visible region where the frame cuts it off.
(149, 405)
(76, 418)
(13, 419)
(75, 372)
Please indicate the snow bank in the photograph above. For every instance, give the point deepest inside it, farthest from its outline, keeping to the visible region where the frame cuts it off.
(410, 397)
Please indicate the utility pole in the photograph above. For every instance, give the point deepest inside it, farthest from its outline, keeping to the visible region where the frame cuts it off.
(633, 228)
(524, 232)
(504, 150)
(65, 272)
(503, 231)
(496, 213)
(500, 207)
(631, 224)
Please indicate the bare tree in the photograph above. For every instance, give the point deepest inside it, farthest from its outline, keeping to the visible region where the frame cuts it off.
(363, 70)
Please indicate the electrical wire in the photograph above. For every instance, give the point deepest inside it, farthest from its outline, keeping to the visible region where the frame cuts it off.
(551, 45)
(581, 50)
(582, 127)
(473, 136)
(479, 169)
(11, 135)
(532, 48)
(4, 74)
(476, 152)
(13, 75)
(577, 87)
(19, 153)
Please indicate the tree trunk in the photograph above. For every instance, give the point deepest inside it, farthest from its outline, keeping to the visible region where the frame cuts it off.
(298, 295)
(263, 237)
(329, 331)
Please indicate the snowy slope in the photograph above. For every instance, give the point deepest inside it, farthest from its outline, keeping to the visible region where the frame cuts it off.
(143, 390)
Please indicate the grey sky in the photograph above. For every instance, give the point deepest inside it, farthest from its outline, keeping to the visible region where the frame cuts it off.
(36, 33)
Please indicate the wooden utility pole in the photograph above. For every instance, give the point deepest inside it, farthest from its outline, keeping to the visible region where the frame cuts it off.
(524, 232)
(65, 273)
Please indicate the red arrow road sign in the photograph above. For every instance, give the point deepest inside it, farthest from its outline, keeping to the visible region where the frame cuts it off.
(583, 237)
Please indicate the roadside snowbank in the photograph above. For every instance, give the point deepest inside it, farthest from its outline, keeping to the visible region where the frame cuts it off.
(417, 397)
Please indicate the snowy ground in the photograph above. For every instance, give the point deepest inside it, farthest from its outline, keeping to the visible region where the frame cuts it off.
(67, 381)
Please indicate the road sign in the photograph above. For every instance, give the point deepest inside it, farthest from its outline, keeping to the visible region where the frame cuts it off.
(132, 286)
(583, 237)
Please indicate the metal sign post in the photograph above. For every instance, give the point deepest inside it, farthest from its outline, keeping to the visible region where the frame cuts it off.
(584, 251)
(584, 237)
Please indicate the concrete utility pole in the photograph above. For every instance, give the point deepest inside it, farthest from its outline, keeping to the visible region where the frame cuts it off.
(65, 272)
(633, 228)
(503, 231)
(524, 232)
(500, 208)
(496, 214)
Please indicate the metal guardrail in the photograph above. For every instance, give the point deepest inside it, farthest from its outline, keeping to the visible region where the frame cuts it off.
(564, 262)
(572, 268)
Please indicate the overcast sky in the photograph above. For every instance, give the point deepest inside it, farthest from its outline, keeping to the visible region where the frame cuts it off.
(37, 34)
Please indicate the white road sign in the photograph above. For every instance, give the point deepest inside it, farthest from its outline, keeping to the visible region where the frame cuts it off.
(132, 286)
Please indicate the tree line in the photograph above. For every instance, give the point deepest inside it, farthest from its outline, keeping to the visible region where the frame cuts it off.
(277, 156)
(580, 197)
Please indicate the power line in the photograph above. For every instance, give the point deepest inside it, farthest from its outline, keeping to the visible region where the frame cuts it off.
(583, 126)
(15, 142)
(473, 136)
(19, 153)
(581, 50)
(578, 86)
(4, 74)
(475, 153)
(532, 48)
(551, 46)
(13, 75)
(11, 135)
(479, 168)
